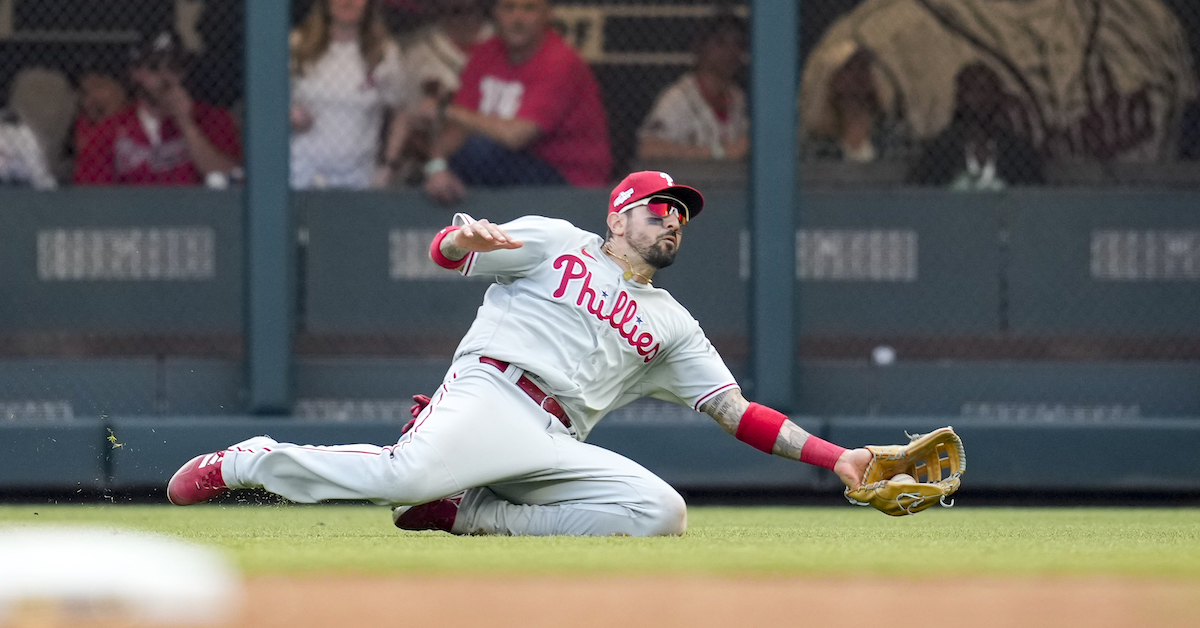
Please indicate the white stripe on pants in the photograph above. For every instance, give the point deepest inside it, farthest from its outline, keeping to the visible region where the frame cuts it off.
(480, 430)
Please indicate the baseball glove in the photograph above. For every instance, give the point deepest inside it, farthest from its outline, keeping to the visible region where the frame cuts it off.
(934, 460)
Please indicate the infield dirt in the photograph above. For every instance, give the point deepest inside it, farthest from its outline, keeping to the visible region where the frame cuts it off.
(546, 602)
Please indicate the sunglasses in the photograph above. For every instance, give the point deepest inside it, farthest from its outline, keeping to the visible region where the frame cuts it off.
(663, 206)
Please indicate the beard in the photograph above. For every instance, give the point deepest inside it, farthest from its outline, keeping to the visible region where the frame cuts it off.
(657, 254)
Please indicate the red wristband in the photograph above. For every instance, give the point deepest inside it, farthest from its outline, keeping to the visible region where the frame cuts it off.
(821, 453)
(760, 427)
(435, 250)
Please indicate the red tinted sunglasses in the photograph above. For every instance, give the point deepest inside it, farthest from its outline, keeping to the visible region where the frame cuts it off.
(663, 206)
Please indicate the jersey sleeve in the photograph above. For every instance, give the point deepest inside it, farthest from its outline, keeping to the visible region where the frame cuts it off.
(539, 236)
(693, 372)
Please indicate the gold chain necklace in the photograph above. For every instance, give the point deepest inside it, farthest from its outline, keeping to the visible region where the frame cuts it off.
(629, 274)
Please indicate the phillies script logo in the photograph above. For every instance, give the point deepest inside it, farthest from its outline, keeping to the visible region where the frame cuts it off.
(619, 317)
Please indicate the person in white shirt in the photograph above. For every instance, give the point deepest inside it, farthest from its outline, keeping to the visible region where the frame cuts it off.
(572, 329)
(347, 74)
(22, 160)
(703, 114)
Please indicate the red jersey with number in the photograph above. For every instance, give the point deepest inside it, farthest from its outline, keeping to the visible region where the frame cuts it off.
(117, 151)
(554, 89)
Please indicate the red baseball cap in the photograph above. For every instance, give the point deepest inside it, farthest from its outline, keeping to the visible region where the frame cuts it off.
(640, 185)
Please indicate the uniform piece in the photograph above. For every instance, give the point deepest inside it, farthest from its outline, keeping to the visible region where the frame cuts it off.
(682, 115)
(554, 89)
(935, 463)
(571, 330)
(509, 438)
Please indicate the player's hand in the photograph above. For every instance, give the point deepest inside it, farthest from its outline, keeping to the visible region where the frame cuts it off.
(482, 236)
(445, 188)
(851, 466)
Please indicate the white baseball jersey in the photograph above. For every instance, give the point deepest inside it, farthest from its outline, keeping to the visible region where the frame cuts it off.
(562, 310)
(562, 314)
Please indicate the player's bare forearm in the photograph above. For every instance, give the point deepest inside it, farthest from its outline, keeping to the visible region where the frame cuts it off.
(728, 408)
(480, 236)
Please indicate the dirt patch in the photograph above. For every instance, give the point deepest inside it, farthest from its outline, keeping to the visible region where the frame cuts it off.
(445, 602)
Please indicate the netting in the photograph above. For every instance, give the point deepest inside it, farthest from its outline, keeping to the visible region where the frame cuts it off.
(998, 192)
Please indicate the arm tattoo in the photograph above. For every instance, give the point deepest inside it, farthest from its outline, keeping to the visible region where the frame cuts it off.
(727, 409)
(451, 250)
(790, 441)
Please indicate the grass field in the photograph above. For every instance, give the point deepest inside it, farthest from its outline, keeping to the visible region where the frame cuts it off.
(775, 541)
(317, 566)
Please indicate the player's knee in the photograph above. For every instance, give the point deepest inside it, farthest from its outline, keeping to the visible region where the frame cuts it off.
(670, 514)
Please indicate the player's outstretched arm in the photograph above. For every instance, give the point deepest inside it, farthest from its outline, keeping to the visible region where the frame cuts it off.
(481, 236)
(770, 431)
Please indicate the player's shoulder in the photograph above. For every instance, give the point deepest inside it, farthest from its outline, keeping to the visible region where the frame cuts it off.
(554, 226)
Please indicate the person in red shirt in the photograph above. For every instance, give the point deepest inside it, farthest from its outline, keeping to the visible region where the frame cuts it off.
(163, 137)
(528, 113)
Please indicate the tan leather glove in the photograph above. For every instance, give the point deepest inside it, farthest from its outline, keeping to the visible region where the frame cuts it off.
(935, 461)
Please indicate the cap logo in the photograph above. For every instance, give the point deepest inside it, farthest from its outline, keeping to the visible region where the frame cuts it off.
(622, 197)
(666, 176)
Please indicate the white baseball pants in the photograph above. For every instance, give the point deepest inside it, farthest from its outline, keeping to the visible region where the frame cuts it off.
(526, 474)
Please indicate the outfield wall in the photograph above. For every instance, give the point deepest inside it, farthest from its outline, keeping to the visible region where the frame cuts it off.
(688, 450)
(1055, 329)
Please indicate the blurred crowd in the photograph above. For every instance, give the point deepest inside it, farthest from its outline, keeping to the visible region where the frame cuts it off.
(964, 94)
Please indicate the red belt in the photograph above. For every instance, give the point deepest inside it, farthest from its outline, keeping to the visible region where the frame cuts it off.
(546, 402)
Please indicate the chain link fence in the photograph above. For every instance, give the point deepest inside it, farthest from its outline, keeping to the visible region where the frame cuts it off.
(1035, 263)
(1025, 107)
(985, 95)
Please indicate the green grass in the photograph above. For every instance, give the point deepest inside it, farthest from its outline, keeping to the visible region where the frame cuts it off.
(292, 540)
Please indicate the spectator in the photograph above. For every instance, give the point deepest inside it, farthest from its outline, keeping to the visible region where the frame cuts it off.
(703, 114)
(979, 151)
(436, 56)
(163, 137)
(101, 95)
(1101, 82)
(853, 123)
(528, 112)
(45, 101)
(22, 160)
(346, 76)
(439, 52)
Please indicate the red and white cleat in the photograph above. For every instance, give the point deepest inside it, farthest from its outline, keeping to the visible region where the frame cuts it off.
(435, 515)
(198, 481)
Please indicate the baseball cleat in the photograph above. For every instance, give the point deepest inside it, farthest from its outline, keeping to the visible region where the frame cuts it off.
(435, 515)
(198, 481)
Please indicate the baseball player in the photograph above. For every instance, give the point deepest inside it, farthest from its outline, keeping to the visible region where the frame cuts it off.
(572, 329)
